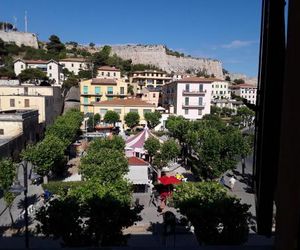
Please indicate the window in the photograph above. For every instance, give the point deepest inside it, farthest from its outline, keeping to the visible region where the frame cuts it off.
(118, 111)
(201, 88)
(108, 73)
(221, 92)
(26, 103)
(12, 102)
(154, 95)
(97, 99)
(221, 86)
(1, 131)
(213, 86)
(110, 90)
(216, 91)
(72, 65)
(103, 112)
(85, 89)
(50, 75)
(86, 100)
(186, 101)
(217, 86)
(187, 88)
(122, 90)
(134, 110)
(50, 67)
(212, 92)
(200, 101)
(186, 111)
(22, 66)
(97, 90)
(146, 111)
(102, 73)
(80, 65)
(85, 109)
(109, 98)
(199, 111)
(114, 74)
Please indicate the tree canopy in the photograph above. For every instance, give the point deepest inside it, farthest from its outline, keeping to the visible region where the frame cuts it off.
(132, 119)
(152, 118)
(55, 46)
(170, 150)
(32, 74)
(111, 117)
(152, 145)
(7, 173)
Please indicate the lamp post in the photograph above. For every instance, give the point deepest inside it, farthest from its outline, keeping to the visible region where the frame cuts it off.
(17, 188)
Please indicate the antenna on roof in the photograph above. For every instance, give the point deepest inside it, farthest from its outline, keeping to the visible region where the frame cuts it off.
(25, 20)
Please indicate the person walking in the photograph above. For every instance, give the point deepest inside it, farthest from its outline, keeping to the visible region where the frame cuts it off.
(232, 181)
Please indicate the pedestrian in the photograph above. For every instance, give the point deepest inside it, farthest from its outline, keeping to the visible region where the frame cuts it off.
(222, 180)
(232, 181)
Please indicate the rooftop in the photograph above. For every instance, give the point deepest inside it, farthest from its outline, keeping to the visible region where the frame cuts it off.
(136, 102)
(108, 68)
(17, 114)
(104, 81)
(36, 61)
(137, 161)
(74, 59)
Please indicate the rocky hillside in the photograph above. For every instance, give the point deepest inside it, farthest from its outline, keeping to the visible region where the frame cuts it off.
(156, 55)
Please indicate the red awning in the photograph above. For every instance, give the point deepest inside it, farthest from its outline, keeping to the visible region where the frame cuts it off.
(168, 180)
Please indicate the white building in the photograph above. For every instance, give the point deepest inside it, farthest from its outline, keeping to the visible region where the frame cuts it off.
(75, 64)
(246, 91)
(190, 97)
(52, 68)
(220, 89)
(108, 72)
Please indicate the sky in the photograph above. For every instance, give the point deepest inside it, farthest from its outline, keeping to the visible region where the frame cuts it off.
(227, 30)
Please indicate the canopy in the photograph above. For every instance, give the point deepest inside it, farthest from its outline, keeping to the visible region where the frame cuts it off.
(168, 180)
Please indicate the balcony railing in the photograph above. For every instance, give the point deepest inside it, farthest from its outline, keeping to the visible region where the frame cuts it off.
(185, 92)
(115, 94)
(193, 106)
(91, 94)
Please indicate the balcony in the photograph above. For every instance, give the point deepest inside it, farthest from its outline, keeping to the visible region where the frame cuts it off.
(91, 94)
(194, 106)
(115, 94)
(192, 93)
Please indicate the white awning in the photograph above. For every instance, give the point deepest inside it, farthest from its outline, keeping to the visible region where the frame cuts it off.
(138, 174)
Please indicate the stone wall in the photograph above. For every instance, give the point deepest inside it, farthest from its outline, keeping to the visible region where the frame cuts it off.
(156, 55)
(25, 38)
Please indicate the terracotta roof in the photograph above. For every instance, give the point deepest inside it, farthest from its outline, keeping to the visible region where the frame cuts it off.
(77, 59)
(103, 81)
(195, 79)
(35, 61)
(137, 161)
(108, 68)
(136, 102)
(244, 85)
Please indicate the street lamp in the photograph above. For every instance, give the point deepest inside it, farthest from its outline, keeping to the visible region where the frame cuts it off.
(17, 188)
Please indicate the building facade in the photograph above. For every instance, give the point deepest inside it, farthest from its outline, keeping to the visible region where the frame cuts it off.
(75, 64)
(220, 89)
(123, 107)
(152, 95)
(190, 97)
(98, 89)
(149, 79)
(246, 91)
(108, 72)
(47, 100)
(52, 69)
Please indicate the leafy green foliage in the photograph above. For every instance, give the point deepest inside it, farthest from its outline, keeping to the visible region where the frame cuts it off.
(90, 215)
(170, 150)
(7, 72)
(173, 53)
(142, 67)
(238, 81)
(152, 145)
(246, 115)
(85, 74)
(55, 46)
(100, 58)
(61, 188)
(218, 218)
(7, 173)
(71, 81)
(116, 143)
(177, 127)
(111, 117)
(32, 74)
(130, 89)
(227, 78)
(132, 119)
(152, 118)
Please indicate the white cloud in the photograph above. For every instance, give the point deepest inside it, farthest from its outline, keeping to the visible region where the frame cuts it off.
(237, 44)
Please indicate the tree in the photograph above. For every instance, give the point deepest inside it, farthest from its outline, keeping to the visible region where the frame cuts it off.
(130, 90)
(105, 165)
(214, 110)
(111, 117)
(152, 118)
(7, 173)
(91, 215)
(239, 81)
(227, 78)
(97, 118)
(152, 145)
(45, 155)
(100, 58)
(170, 150)
(92, 45)
(71, 81)
(32, 74)
(7, 72)
(132, 119)
(55, 46)
(116, 143)
(85, 74)
(218, 218)
(246, 114)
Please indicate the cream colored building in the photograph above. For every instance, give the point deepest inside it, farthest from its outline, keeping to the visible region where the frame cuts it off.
(220, 89)
(52, 68)
(75, 64)
(246, 91)
(100, 89)
(124, 106)
(108, 72)
(47, 100)
(150, 95)
(148, 78)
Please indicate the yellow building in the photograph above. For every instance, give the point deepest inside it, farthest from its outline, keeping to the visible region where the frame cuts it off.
(98, 89)
(124, 106)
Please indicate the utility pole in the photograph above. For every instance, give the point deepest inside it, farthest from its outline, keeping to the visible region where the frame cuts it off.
(25, 21)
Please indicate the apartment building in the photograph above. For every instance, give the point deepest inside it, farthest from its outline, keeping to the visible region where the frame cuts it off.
(246, 91)
(150, 95)
(220, 89)
(52, 68)
(75, 64)
(47, 100)
(149, 79)
(17, 128)
(100, 89)
(189, 97)
(108, 72)
(124, 106)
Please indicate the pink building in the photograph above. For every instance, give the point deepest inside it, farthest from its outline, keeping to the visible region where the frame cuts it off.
(189, 97)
